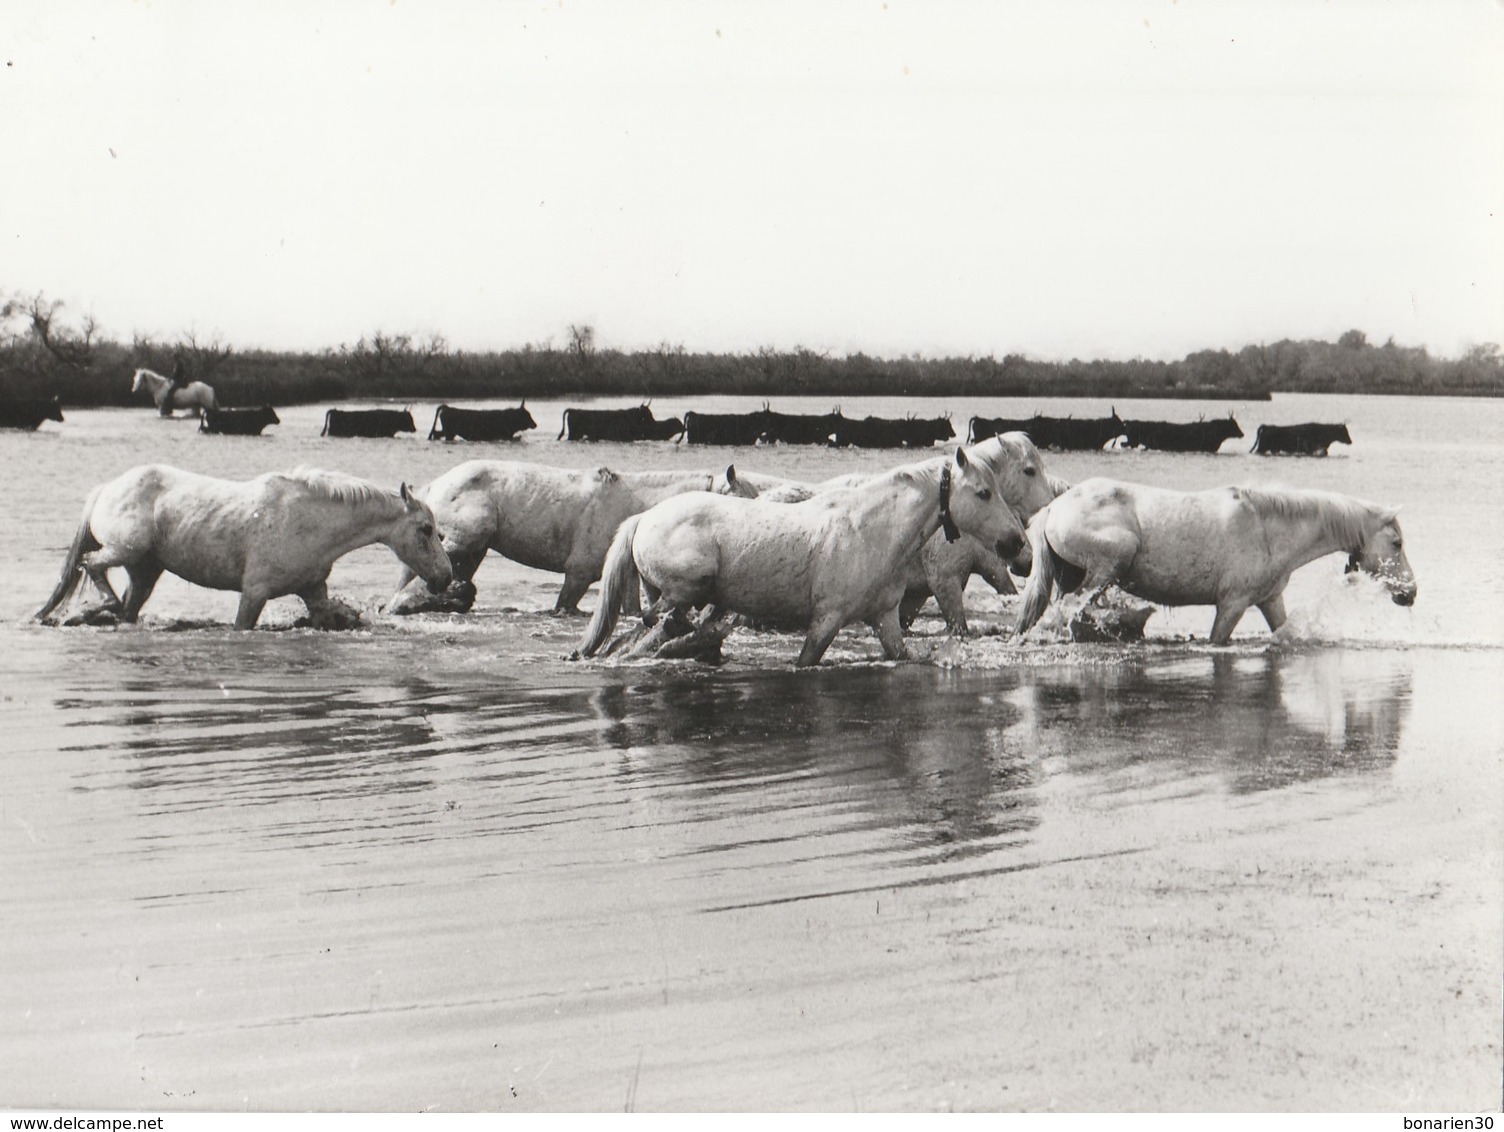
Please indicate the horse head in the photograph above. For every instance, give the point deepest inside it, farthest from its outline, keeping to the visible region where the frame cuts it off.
(1382, 556)
(729, 483)
(971, 497)
(137, 381)
(416, 540)
(1020, 471)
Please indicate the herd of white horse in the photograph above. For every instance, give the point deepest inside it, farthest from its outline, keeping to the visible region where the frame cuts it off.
(817, 557)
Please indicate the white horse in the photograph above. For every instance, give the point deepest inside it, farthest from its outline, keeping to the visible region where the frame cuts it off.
(558, 519)
(195, 395)
(943, 568)
(833, 559)
(1231, 547)
(277, 534)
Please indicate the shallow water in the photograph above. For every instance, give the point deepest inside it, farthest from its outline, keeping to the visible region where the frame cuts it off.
(429, 863)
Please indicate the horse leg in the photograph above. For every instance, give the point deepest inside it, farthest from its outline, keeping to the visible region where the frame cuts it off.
(995, 573)
(656, 607)
(910, 605)
(1228, 616)
(1273, 611)
(949, 593)
(252, 602)
(1106, 555)
(890, 634)
(325, 612)
(575, 585)
(143, 579)
(96, 564)
(822, 630)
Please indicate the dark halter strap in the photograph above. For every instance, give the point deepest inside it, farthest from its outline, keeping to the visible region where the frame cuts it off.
(947, 524)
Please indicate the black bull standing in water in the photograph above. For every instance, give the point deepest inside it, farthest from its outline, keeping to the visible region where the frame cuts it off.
(383, 423)
(617, 424)
(450, 423)
(1166, 436)
(880, 432)
(29, 412)
(237, 422)
(1300, 440)
(1065, 433)
(727, 428)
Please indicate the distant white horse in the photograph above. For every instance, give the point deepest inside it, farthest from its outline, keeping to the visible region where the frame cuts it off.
(838, 557)
(1231, 547)
(943, 568)
(277, 534)
(195, 395)
(558, 519)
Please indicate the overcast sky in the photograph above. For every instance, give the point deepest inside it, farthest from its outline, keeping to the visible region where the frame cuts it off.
(1089, 179)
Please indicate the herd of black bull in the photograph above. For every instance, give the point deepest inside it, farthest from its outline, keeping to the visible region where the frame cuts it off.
(762, 426)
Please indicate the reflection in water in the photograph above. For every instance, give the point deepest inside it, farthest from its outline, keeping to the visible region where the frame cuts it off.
(1264, 721)
(880, 766)
(920, 751)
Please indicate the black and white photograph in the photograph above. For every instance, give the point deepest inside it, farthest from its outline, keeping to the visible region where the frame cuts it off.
(843, 557)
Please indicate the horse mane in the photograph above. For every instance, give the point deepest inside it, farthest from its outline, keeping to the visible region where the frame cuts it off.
(1346, 518)
(339, 487)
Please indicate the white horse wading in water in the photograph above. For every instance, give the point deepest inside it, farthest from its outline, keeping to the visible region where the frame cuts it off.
(558, 519)
(195, 395)
(824, 563)
(1231, 547)
(943, 568)
(277, 534)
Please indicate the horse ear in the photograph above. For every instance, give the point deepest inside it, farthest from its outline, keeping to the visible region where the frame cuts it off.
(961, 460)
(407, 496)
(730, 473)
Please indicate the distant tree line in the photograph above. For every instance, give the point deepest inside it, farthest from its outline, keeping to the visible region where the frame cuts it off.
(42, 353)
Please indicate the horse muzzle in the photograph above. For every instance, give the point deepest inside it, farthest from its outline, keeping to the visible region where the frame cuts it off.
(1405, 595)
(438, 583)
(1010, 547)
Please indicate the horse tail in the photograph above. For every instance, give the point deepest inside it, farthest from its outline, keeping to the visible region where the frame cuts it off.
(73, 572)
(1041, 585)
(618, 578)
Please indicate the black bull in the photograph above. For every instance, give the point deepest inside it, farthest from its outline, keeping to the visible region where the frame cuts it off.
(1065, 433)
(1301, 440)
(367, 422)
(1168, 436)
(29, 412)
(727, 428)
(450, 423)
(237, 422)
(884, 432)
(617, 424)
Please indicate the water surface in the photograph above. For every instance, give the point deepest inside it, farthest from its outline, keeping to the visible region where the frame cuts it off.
(430, 863)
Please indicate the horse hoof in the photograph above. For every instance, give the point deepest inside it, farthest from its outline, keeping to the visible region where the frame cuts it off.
(1115, 625)
(102, 615)
(334, 617)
